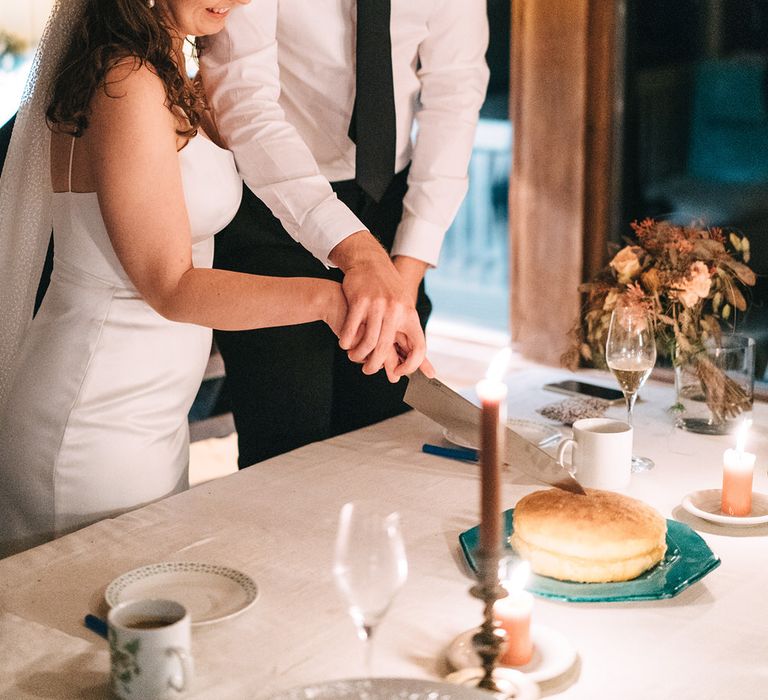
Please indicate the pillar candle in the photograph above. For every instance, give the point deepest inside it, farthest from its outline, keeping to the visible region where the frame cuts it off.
(738, 468)
(514, 616)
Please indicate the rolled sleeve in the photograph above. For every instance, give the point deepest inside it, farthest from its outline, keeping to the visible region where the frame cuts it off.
(330, 222)
(418, 239)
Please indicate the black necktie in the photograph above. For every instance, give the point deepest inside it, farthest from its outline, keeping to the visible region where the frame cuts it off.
(373, 127)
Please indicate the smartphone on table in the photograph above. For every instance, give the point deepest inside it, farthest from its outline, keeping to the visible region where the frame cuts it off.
(574, 387)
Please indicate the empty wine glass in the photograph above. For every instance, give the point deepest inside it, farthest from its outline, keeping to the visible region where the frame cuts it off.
(630, 353)
(369, 566)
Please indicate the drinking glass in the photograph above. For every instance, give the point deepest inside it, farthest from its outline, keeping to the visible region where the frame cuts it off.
(630, 353)
(369, 566)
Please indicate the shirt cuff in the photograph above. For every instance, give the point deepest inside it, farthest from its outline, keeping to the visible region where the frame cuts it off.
(329, 223)
(418, 239)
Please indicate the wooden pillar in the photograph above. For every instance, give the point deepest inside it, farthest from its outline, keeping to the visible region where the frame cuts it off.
(563, 116)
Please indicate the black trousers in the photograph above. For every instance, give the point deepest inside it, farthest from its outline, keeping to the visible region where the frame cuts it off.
(293, 385)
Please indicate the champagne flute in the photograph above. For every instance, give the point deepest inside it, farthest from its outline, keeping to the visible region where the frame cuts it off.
(630, 353)
(369, 566)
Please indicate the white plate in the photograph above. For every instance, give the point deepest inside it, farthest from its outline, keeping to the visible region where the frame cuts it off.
(209, 592)
(553, 654)
(706, 505)
(394, 689)
(538, 433)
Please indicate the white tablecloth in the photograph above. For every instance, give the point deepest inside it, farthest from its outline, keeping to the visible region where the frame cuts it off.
(276, 521)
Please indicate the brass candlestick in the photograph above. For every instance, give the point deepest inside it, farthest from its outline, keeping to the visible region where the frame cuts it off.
(491, 638)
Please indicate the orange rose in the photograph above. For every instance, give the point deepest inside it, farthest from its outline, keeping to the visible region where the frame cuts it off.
(626, 263)
(695, 285)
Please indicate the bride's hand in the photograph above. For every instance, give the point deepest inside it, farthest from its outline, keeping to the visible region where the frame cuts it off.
(400, 351)
(336, 309)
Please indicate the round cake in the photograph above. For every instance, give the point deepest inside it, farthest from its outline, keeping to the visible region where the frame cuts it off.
(603, 536)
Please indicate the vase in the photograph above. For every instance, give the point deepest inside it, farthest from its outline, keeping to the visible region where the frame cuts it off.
(715, 387)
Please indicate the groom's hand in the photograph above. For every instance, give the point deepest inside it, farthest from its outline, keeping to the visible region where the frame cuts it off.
(411, 273)
(380, 308)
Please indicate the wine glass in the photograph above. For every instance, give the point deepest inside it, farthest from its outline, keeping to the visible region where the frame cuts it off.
(630, 353)
(369, 566)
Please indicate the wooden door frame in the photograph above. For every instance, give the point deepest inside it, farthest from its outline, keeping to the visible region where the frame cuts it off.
(565, 105)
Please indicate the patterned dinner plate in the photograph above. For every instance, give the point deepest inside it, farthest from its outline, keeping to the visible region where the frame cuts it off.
(687, 560)
(209, 592)
(401, 689)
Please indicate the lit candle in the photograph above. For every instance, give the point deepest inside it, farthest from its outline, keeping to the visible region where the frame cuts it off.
(738, 467)
(492, 393)
(514, 616)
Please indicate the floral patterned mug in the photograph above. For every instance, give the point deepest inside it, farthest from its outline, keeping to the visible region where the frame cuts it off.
(149, 643)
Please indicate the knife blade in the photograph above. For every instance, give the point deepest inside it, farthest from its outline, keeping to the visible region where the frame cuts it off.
(451, 410)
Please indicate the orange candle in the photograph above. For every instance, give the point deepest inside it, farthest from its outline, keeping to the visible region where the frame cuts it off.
(514, 616)
(738, 468)
(491, 393)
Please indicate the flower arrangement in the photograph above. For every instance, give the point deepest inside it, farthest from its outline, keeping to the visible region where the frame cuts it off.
(690, 281)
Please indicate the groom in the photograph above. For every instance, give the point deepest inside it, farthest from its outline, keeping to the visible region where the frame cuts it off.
(318, 101)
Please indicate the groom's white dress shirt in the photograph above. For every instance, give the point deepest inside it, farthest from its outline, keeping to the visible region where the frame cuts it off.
(281, 81)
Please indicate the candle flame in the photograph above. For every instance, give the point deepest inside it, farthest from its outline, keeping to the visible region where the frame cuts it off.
(515, 577)
(741, 435)
(498, 367)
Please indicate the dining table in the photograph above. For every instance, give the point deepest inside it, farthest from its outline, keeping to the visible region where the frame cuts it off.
(276, 522)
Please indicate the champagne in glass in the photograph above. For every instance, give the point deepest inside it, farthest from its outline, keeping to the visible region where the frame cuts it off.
(369, 566)
(630, 376)
(631, 354)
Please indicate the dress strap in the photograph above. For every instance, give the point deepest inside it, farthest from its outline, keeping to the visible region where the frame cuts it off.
(71, 158)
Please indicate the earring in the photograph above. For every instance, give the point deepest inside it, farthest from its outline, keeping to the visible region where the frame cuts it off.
(150, 4)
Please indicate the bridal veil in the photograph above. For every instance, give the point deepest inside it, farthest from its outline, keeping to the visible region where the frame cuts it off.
(25, 190)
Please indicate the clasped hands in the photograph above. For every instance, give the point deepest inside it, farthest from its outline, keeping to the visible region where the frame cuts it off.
(381, 327)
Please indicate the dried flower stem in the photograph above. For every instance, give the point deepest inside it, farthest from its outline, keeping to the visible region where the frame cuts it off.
(725, 398)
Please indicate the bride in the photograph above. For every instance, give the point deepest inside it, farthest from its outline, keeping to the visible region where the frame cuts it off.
(94, 393)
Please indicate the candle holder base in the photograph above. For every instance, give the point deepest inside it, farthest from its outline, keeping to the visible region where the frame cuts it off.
(707, 504)
(553, 654)
(510, 683)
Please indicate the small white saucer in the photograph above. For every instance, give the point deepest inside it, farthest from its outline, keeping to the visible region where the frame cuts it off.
(553, 654)
(706, 505)
(512, 684)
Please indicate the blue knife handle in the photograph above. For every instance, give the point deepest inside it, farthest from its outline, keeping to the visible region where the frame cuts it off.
(96, 624)
(462, 453)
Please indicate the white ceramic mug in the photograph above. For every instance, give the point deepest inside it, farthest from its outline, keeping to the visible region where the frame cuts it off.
(149, 644)
(602, 453)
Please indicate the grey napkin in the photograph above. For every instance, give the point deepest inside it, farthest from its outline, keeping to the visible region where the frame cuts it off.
(572, 409)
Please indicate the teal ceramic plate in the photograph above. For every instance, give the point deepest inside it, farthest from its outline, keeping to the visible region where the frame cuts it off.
(687, 560)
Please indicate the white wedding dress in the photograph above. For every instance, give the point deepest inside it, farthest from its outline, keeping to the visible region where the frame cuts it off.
(96, 421)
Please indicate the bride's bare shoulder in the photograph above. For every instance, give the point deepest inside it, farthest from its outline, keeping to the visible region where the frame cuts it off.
(131, 89)
(131, 75)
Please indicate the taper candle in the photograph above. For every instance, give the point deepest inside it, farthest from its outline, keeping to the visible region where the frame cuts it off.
(492, 393)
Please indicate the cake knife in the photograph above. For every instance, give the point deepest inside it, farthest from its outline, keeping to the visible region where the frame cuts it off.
(451, 410)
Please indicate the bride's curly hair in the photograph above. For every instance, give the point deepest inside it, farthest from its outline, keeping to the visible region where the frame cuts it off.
(111, 32)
